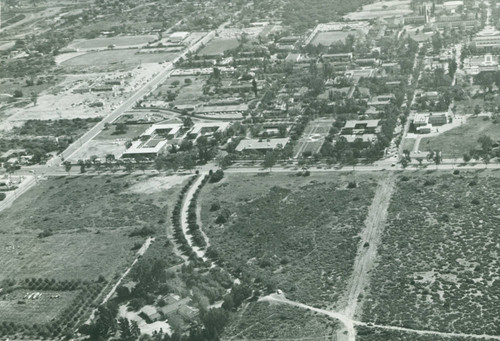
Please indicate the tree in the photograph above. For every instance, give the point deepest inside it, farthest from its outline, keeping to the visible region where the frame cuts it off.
(34, 98)
(67, 166)
(269, 160)
(437, 158)
(466, 157)
(81, 163)
(18, 93)
(188, 162)
(129, 330)
(254, 87)
(486, 143)
(103, 325)
(187, 122)
(452, 67)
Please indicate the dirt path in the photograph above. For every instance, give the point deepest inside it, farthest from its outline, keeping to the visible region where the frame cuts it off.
(370, 238)
(350, 323)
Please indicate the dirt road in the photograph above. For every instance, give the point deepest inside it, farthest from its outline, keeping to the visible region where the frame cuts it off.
(370, 239)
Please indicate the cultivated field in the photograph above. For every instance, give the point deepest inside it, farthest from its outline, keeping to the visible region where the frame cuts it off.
(260, 320)
(117, 41)
(299, 234)
(438, 267)
(458, 141)
(218, 46)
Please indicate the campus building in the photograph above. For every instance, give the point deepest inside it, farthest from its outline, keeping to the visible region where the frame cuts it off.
(476, 64)
(487, 40)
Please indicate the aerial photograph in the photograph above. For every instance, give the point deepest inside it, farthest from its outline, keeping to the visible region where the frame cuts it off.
(249, 170)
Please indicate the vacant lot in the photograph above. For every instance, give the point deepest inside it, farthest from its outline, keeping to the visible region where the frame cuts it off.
(458, 141)
(70, 228)
(260, 320)
(219, 45)
(117, 41)
(328, 38)
(299, 234)
(438, 265)
(40, 310)
(125, 57)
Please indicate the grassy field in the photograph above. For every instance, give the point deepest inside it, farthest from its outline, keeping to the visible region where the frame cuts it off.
(86, 223)
(38, 311)
(186, 92)
(328, 38)
(438, 264)
(299, 234)
(408, 144)
(458, 141)
(133, 130)
(123, 57)
(219, 45)
(117, 41)
(260, 320)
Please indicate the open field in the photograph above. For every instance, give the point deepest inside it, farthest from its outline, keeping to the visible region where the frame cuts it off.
(438, 266)
(328, 38)
(299, 234)
(408, 144)
(381, 9)
(101, 147)
(37, 311)
(127, 56)
(458, 141)
(373, 334)
(117, 41)
(133, 130)
(219, 45)
(186, 88)
(80, 226)
(260, 320)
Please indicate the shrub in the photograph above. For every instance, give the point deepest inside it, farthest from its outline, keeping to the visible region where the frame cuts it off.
(352, 184)
(215, 207)
(142, 232)
(2, 196)
(217, 176)
(456, 172)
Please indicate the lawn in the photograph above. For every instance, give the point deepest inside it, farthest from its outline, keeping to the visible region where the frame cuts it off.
(38, 311)
(438, 262)
(127, 57)
(408, 144)
(117, 41)
(186, 92)
(458, 141)
(299, 234)
(260, 320)
(133, 131)
(219, 45)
